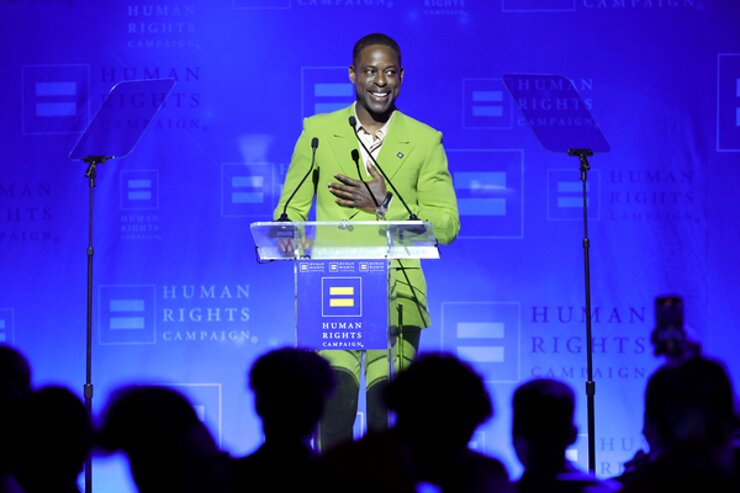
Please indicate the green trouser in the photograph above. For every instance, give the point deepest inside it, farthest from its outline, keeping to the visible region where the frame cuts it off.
(337, 423)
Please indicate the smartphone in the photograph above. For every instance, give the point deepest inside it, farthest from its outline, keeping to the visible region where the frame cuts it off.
(668, 336)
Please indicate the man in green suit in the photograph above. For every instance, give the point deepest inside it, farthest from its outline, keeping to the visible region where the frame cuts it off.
(413, 158)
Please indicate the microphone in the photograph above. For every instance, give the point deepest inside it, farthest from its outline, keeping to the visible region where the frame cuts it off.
(314, 145)
(353, 124)
(356, 158)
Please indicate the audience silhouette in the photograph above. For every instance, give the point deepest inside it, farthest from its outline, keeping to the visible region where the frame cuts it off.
(542, 430)
(168, 447)
(15, 387)
(689, 424)
(438, 402)
(291, 387)
(55, 440)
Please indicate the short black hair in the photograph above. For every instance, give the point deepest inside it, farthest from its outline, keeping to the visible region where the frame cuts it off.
(291, 386)
(440, 387)
(691, 401)
(543, 412)
(375, 39)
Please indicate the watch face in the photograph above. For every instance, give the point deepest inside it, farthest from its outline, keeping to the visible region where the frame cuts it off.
(387, 200)
(382, 209)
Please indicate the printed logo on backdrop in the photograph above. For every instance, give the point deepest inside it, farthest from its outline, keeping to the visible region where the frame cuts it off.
(206, 400)
(247, 190)
(6, 326)
(565, 194)
(162, 25)
(486, 335)
(205, 314)
(174, 313)
(35, 3)
(612, 452)
(127, 315)
(554, 346)
(181, 109)
(140, 205)
(728, 102)
(325, 89)
(555, 111)
(486, 104)
(445, 7)
(554, 342)
(56, 99)
(262, 4)
(666, 194)
(540, 6)
(28, 214)
(490, 191)
(346, 4)
(698, 5)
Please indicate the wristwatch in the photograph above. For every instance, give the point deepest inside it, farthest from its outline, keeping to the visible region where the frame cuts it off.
(382, 209)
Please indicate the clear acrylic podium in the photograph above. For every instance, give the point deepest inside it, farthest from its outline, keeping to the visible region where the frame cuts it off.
(341, 275)
(345, 240)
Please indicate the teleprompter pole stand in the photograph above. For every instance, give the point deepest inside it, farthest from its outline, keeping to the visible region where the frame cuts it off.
(583, 155)
(90, 174)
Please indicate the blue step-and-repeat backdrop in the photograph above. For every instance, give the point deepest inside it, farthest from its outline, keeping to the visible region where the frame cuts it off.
(179, 298)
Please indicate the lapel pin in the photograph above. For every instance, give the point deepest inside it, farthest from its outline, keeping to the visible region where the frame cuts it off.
(399, 155)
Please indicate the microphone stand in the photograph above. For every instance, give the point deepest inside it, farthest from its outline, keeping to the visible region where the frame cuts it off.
(91, 174)
(356, 158)
(353, 124)
(314, 145)
(96, 146)
(583, 155)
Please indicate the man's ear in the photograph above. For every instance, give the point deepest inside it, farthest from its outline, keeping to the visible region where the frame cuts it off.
(402, 74)
(351, 72)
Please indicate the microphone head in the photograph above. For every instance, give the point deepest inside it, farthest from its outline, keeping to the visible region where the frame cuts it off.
(355, 155)
(314, 143)
(352, 121)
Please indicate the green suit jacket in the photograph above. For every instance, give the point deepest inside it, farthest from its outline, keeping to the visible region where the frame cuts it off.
(414, 159)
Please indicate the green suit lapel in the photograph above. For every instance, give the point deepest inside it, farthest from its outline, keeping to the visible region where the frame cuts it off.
(397, 146)
(342, 143)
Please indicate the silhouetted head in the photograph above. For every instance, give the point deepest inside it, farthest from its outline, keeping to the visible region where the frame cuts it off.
(15, 386)
(167, 445)
(15, 376)
(55, 438)
(144, 416)
(691, 402)
(542, 424)
(439, 399)
(291, 387)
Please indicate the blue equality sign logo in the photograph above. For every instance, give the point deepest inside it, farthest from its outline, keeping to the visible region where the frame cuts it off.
(55, 98)
(728, 102)
(126, 315)
(6, 326)
(341, 296)
(325, 89)
(490, 191)
(487, 104)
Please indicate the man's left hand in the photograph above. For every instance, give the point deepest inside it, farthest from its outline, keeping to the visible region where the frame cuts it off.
(353, 193)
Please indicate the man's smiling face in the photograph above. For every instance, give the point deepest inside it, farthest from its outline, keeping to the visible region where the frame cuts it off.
(377, 75)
